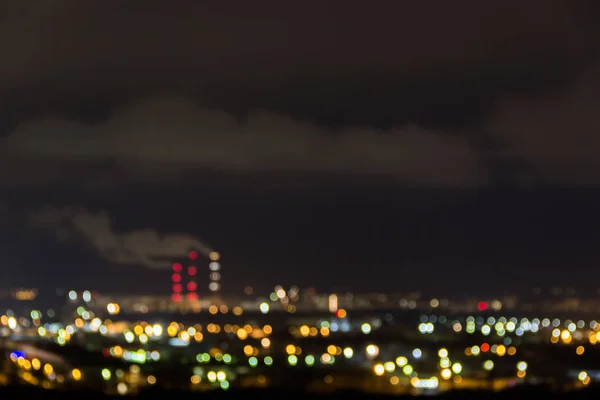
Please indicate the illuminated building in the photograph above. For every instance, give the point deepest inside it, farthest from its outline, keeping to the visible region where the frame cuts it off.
(24, 294)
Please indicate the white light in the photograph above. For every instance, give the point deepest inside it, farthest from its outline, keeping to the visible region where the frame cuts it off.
(372, 350)
(365, 328)
(122, 388)
(333, 303)
(430, 383)
(401, 361)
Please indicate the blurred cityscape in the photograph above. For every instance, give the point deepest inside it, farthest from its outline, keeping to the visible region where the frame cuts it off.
(295, 337)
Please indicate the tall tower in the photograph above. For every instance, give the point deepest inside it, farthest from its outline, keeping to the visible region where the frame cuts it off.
(192, 270)
(177, 287)
(215, 274)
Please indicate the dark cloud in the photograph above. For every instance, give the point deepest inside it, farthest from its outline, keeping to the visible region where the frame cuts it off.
(526, 139)
(557, 134)
(159, 139)
(337, 63)
(454, 87)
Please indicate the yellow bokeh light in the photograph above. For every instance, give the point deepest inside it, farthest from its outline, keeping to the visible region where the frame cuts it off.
(304, 330)
(446, 373)
(76, 374)
(290, 349)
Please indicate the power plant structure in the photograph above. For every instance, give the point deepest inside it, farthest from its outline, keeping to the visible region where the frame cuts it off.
(184, 276)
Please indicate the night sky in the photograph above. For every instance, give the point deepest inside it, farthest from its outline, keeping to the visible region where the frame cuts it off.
(447, 147)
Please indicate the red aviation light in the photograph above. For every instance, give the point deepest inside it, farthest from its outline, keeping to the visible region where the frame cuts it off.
(192, 296)
(176, 297)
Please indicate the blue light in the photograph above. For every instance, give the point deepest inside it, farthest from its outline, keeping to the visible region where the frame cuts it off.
(177, 342)
(18, 354)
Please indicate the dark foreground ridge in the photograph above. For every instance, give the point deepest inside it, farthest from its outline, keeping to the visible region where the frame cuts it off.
(15, 392)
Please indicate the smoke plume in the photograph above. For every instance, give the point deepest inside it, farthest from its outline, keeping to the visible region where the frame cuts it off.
(145, 247)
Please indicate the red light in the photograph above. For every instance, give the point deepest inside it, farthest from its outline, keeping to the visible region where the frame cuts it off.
(193, 255)
(191, 286)
(177, 267)
(482, 306)
(177, 287)
(192, 271)
(176, 277)
(176, 297)
(192, 296)
(485, 347)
